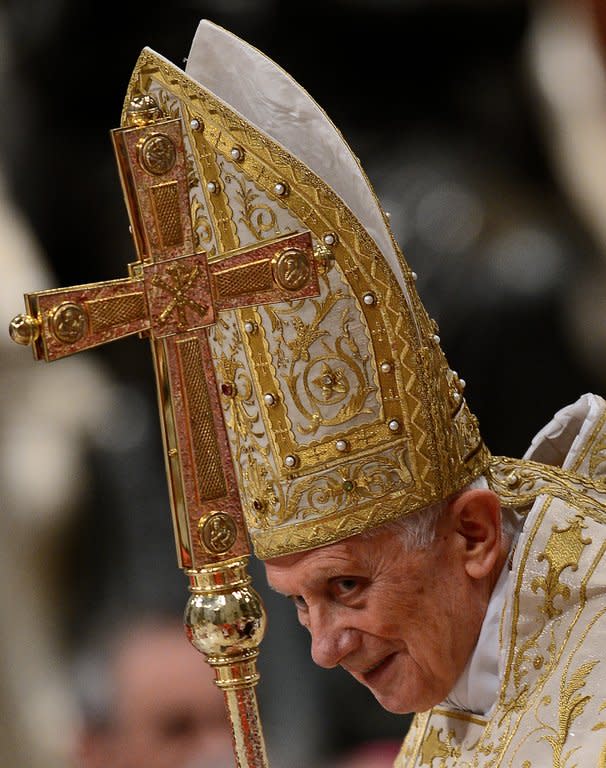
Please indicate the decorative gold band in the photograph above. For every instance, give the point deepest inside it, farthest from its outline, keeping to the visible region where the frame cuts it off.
(222, 577)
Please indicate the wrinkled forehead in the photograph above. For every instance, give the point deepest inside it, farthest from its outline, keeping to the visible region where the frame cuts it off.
(355, 556)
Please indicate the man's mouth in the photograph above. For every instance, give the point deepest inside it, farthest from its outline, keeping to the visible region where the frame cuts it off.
(375, 670)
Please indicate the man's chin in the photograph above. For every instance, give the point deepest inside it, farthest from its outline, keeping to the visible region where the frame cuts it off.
(400, 702)
(394, 704)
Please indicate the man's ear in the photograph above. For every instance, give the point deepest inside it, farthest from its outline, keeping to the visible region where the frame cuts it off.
(477, 517)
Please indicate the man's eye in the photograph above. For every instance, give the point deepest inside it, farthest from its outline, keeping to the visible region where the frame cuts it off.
(299, 602)
(346, 585)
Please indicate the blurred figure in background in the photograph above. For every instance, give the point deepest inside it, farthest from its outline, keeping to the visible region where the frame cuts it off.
(566, 64)
(148, 700)
(47, 421)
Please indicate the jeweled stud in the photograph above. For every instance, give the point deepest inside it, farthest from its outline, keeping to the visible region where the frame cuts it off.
(341, 445)
(369, 299)
(394, 425)
(386, 367)
(330, 239)
(269, 399)
(195, 124)
(281, 189)
(212, 187)
(237, 153)
(250, 327)
(290, 461)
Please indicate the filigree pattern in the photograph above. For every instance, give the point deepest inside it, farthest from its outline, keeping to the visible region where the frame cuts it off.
(168, 102)
(520, 482)
(202, 228)
(258, 216)
(571, 705)
(440, 747)
(351, 483)
(597, 460)
(563, 550)
(325, 360)
(260, 482)
(242, 413)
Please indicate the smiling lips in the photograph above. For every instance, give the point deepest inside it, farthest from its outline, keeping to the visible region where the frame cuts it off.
(370, 674)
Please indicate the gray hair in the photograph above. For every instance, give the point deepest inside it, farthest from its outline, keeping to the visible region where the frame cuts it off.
(418, 530)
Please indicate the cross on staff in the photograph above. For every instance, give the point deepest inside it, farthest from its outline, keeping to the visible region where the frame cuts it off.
(174, 295)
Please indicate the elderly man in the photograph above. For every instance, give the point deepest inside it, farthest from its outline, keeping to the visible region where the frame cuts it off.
(390, 611)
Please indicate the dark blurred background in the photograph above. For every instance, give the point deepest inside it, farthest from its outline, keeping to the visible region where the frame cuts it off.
(483, 128)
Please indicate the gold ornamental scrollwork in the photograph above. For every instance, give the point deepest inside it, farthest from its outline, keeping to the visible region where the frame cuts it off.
(571, 705)
(437, 748)
(563, 550)
(518, 482)
(597, 460)
(331, 377)
(361, 482)
(202, 227)
(242, 416)
(257, 217)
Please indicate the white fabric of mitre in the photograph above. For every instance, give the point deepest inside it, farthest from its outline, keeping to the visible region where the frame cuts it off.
(267, 97)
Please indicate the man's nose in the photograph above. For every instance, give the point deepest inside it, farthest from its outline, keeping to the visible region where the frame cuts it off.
(331, 639)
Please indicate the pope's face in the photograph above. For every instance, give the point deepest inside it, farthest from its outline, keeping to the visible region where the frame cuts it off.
(402, 623)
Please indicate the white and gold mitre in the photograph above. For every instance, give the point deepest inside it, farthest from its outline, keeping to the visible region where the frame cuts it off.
(340, 408)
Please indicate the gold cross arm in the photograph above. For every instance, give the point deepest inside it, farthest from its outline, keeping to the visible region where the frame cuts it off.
(163, 298)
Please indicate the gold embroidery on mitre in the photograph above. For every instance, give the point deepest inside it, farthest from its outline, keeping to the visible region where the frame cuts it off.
(341, 411)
